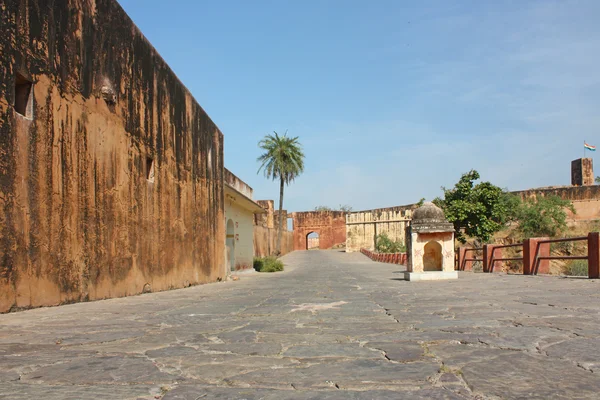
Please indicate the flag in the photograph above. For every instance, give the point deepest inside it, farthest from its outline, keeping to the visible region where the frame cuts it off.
(589, 146)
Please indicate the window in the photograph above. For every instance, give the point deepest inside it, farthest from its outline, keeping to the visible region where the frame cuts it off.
(23, 96)
(150, 169)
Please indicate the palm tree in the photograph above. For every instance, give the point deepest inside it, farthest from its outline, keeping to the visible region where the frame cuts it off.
(283, 159)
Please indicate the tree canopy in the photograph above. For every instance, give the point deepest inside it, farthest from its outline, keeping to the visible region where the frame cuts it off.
(283, 157)
(477, 210)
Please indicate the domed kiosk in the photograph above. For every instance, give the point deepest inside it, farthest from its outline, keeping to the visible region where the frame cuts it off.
(430, 245)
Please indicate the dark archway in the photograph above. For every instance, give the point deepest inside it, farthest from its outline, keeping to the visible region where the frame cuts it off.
(432, 256)
(312, 241)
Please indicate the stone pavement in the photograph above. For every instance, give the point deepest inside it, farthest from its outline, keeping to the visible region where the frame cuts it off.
(333, 326)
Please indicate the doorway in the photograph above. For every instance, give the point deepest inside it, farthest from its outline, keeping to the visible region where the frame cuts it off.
(312, 241)
(230, 245)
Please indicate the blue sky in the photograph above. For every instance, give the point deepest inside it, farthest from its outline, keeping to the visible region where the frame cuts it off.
(391, 99)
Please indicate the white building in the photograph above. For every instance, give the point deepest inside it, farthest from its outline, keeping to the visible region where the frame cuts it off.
(239, 223)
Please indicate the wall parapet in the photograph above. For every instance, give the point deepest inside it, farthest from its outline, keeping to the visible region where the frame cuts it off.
(235, 182)
(572, 193)
(390, 258)
(329, 225)
(363, 227)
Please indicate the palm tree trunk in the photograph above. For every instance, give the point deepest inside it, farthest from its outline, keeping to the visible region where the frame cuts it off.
(280, 228)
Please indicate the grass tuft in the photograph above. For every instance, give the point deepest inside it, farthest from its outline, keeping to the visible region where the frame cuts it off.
(267, 264)
(577, 268)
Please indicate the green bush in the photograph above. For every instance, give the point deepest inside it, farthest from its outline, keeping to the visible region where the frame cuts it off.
(544, 216)
(577, 268)
(267, 264)
(386, 245)
(258, 263)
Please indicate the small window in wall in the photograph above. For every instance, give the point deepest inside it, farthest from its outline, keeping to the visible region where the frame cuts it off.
(23, 96)
(150, 169)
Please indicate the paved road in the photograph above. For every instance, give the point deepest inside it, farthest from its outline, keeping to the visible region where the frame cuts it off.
(333, 326)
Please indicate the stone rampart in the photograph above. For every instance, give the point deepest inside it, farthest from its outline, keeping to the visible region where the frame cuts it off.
(265, 231)
(329, 225)
(265, 241)
(362, 227)
(111, 174)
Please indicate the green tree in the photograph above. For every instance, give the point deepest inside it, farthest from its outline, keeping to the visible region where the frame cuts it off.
(477, 210)
(543, 216)
(597, 180)
(323, 208)
(282, 159)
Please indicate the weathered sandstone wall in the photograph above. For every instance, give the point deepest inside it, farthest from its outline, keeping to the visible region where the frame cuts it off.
(362, 227)
(330, 225)
(265, 231)
(112, 180)
(265, 241)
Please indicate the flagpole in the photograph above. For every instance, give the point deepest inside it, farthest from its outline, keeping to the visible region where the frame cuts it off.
(584, 148)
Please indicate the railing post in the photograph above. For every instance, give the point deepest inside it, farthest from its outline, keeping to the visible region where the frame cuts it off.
(543, 266)
(497, 254)
(594, 255)
(529, 249)
(464, 265)
(488, 252)
(458, 258)
(532, 249)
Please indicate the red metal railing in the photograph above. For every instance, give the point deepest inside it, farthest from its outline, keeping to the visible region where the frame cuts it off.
(492, 259)
(538, 259)
(536, 255)
(463, 258)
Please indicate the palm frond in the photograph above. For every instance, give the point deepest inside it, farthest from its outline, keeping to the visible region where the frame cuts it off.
(283, 157)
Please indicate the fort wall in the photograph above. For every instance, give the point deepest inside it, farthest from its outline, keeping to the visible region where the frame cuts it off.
(329, 225)
(362, 227)
(111, 174)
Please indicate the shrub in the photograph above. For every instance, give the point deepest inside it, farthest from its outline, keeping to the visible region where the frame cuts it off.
(544, 216)
(267, 264)
(258, 263)
(563, 247)
(577, 268)
(386, 245)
